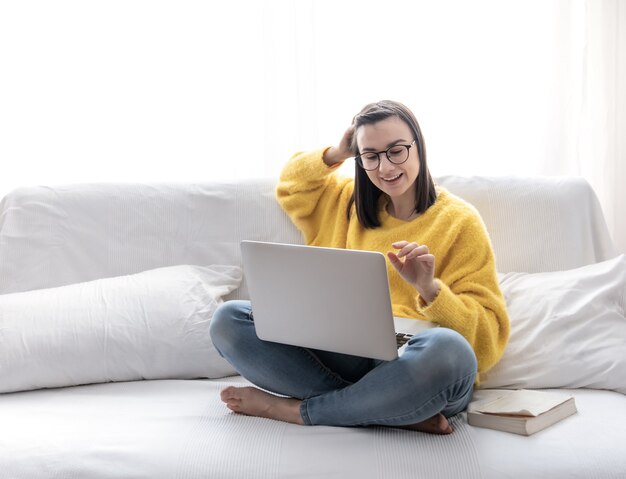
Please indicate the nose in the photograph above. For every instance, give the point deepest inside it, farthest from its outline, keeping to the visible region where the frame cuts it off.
(384, 164)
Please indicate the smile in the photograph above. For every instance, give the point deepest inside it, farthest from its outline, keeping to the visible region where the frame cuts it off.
(393, 178)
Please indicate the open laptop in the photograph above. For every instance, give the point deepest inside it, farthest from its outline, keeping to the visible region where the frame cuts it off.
(324, 298)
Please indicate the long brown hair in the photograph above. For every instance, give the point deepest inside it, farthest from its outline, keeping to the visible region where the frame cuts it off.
(366, 194)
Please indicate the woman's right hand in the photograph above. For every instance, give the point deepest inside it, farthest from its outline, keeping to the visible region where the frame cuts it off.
(341, 152)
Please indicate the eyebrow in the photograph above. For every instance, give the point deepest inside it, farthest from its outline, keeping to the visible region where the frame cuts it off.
(388, 146)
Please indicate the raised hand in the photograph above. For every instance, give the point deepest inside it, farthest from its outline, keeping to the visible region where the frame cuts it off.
(341, 152)
(416, 265)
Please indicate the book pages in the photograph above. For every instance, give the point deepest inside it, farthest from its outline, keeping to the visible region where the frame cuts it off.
(522, 402)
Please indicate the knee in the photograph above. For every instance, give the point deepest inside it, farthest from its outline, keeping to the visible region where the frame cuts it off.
(453, 347)
(223, 325)
(445, 352)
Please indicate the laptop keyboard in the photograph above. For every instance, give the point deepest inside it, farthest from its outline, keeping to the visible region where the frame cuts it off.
(402, 338)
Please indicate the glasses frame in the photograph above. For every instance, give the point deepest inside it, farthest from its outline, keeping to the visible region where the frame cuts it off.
(359, 161)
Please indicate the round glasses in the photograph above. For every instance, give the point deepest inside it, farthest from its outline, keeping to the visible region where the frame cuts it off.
(396, 154)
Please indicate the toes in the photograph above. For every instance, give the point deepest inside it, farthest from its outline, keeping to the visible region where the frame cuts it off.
(230, 392)
(234, 406)
(225, 394)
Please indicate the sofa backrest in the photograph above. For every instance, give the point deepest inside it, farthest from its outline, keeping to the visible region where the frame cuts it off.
(53, 236)
(538, 223)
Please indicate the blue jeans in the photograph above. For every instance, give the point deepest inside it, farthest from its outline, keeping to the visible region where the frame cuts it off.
(434, 375)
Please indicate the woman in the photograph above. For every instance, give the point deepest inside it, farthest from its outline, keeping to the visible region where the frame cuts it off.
(442, 269)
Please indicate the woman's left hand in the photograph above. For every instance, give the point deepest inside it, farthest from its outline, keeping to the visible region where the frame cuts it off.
(417, 268)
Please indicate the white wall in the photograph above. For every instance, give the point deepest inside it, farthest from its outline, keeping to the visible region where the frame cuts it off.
(167, 90)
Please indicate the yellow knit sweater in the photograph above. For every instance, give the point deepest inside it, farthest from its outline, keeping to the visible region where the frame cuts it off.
(469, 301)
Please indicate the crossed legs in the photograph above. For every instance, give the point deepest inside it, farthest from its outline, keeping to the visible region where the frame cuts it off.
(431, 381)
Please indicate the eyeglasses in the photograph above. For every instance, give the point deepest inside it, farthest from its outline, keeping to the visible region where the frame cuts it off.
(396, 154)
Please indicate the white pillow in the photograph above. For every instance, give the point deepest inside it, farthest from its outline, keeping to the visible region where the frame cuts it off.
(568, 329)
(150, 325)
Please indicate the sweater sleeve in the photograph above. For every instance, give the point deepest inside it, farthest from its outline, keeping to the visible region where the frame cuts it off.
(470, 300)
(315, 198)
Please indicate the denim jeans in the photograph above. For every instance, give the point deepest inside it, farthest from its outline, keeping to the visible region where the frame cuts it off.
(435, 374)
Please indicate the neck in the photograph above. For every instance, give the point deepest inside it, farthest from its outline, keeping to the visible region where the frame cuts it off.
(402, 212)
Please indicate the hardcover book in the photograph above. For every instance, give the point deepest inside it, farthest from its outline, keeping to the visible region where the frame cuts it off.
(519, 411)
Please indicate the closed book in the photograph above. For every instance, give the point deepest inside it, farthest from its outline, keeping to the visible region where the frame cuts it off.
(520, 411)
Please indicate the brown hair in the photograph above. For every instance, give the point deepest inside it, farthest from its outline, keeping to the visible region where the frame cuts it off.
(366, 194)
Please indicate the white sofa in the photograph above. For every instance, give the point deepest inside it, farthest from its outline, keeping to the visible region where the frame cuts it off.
(90, 292)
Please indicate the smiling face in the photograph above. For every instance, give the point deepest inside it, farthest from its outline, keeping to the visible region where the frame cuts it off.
(397, 181)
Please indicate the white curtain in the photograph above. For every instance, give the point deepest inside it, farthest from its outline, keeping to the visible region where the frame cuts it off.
(199, 91)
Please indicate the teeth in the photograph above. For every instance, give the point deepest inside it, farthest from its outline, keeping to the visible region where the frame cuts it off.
(392, 178)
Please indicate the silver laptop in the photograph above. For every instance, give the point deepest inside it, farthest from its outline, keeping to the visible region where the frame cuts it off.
(324, 298)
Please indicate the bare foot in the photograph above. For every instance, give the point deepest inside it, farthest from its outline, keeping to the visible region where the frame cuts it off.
(438, 424)
(254, 402)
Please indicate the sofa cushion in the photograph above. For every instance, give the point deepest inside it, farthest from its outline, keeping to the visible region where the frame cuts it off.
(150, 325)
(568, 329)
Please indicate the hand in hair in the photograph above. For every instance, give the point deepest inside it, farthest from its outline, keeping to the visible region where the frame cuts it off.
(417, 267)
(341, 152)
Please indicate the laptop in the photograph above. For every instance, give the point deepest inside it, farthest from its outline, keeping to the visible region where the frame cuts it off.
(330, 299)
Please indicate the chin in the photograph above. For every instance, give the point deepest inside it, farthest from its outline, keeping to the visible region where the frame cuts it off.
(394, 192)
